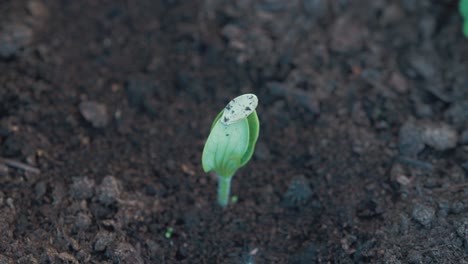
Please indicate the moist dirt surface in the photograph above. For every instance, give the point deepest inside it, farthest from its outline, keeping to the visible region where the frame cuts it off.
(105, 107)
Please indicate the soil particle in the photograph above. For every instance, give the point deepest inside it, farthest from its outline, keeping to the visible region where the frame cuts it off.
(315, 8)
(3, 169)
(414, 257)
(423, 214)
(95, 113)
(38, 9)
(398, 82)
(82, 188)
(13, 38)
(13, 146)
(423, 110)
(58, 193)
(457, 207)
(423, 67)
(5, 260)
(40, 188)
(443, 208)
(299, 191)
(458, 113)
(139, 91)
(295, 96)
(391, 258)
(102, 240)
(464, 137)
(440, 136)
(347, 34)
(67, 258)
(82, 221)
(29, 259)
(262, 151)
(369, 208)
(391, 14)
(462, 232)
(124, 253)
(410, 141)
(108, 191)
(427, 26)
(306, 255)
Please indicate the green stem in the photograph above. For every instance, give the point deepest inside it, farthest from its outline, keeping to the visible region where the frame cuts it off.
(224, 187)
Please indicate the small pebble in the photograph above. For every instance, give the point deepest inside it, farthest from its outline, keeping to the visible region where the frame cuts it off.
(102, 240)
(28, 259)
(82, 188)
(95, 113)
(440, 137)
(424, 215)
(58, 193)
(67, 257)
(410, 141)
(40, 189)
(457, 207)
(125, 253)
(38, 9)
(9, 202)
(13, 38)
(82, 221)
(109, 190)
(398, 82)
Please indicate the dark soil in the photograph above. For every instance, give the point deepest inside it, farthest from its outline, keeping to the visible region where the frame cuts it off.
(105, 107)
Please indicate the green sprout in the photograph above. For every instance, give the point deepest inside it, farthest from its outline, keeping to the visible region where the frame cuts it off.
(231, 142)
(234, 199)
(169, 232)
(463, 7)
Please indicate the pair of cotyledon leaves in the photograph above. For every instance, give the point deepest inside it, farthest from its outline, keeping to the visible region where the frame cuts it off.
(233, 136)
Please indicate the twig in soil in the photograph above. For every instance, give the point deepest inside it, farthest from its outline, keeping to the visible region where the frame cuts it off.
(416, 163)
(19, 165)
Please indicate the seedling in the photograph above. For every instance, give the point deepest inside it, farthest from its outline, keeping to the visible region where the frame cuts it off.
(231, 142)
(463, 7)
(234, 199)
(169, 232)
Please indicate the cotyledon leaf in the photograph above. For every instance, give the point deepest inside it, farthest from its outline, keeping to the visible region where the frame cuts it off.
(254, 130)
(225, 147)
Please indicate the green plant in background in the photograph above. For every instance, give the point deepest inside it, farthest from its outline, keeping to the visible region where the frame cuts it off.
(231, 142)
(463, 7)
